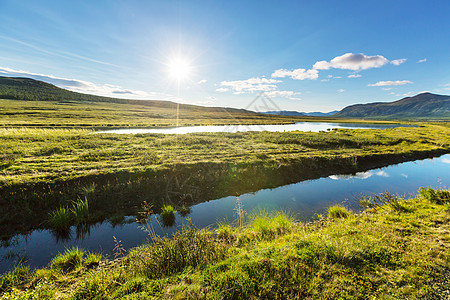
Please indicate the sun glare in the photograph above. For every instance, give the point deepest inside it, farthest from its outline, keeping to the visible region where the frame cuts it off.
(179, 69)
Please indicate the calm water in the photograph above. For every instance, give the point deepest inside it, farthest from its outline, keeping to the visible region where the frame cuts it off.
(304, 199)
(301, 126)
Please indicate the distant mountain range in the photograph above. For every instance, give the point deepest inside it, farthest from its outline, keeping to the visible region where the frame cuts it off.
(422, 106)
(300, 114)
(425, 106)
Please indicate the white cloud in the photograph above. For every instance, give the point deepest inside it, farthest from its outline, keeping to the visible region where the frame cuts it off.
(386, 89)
(397, 62)
(251, 85)
(222, 90)
(202, 81)
(84, 86)
(352, 61)
(297, 74)
(341, 90)
(354, 76)
(284, 94)
(389, 83)
(422, 60)
(359, 175)
(382, 173)
(446, 160)
(211, 98)
(325, 80)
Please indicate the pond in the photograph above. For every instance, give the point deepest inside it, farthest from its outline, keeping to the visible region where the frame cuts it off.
(300, 126)
(304, 200)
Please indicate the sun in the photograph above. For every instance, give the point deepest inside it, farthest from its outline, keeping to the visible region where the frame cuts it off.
(179, 68)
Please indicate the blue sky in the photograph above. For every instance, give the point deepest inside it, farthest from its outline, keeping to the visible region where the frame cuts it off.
(306, 55)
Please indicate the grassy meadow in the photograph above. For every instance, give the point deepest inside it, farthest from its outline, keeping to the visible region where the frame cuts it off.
(103, 115)
(395, 249)
(46, 170)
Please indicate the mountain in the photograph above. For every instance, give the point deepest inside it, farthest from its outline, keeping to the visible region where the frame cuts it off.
(320, 114)
(421, 106)
(290, 113)
(300, 114)
(18, 88)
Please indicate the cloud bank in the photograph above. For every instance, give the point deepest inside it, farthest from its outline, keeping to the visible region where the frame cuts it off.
(79, 85)
(352, 61)
(250, 85)
(390, 83)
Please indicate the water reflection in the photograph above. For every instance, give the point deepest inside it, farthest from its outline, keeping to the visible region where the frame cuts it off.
(300, 126)
(361, 175)
(304, 199)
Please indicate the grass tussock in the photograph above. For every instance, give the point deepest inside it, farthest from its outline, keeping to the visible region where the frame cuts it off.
(382, 253)
(60, 219)
(337, 212)
(167, 215)
(69, 260)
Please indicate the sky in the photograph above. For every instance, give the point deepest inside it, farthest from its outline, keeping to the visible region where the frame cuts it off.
(304, 55)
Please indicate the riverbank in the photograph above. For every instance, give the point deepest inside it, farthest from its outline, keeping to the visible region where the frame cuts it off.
(116, 173)
(395, 249)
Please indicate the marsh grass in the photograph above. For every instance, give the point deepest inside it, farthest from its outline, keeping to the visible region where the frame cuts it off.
(80, 211)
(267, 224)
(14, 278)
(435, 196)
(108, 168)
(384, 199)
(60, 219)
(167, 215)
(377, 254)
(338, 212)
(71, 259)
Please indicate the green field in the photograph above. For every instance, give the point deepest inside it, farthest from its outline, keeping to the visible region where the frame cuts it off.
(396, 249)
(42, 170)
(56, 172)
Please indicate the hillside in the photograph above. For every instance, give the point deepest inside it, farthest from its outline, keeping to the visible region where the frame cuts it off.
(421, 106)
(29, 102)
(35, 90)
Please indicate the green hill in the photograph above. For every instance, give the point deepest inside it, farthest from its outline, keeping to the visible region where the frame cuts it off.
(422, 106)
(28, 89)
(29, 102)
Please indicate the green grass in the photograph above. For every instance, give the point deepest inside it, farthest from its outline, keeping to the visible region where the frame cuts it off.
(338, 211)
(43, 169)
(80, 210)
(69, 260)
(167, 215)
(382, 253)
(60, 219)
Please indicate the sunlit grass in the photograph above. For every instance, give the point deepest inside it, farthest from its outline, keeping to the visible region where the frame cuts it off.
(381, 253)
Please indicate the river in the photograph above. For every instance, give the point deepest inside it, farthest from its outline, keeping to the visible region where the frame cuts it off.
(304, 200)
